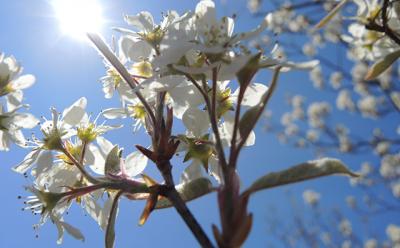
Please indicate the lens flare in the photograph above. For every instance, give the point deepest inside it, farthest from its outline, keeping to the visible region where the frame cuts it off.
(77, 17)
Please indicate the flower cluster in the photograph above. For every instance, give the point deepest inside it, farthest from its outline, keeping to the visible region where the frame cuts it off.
(357, 97)
(191, 68)
(11, 96)
(366, 42)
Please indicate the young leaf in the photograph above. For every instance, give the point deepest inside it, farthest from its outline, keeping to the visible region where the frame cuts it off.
(74, 232)
(243, 232)
(246, 74)
(382, 65)
(250, 118)
(150, 204)
(301, 172)
(247, 122)
(112, 164)
(330, 15)
(110, 231)
(188, 191)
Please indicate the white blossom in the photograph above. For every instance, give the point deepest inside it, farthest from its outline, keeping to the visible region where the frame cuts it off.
(317, 77)
(390, 166)
(345, 227)
(368, 106)
(344, 101)
(371, 243)
(55, 131)
(12, 82)
(396, 189)
(382, 147)
(253, 5)
(393, 233)
(311, 197)
(316, 113)
(336, 79)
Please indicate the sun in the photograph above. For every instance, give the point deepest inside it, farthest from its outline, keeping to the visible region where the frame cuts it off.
(77, 17)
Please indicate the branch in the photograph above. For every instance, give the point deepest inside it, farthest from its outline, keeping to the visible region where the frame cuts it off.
(181, 207)
(113, 60)
(388, 31)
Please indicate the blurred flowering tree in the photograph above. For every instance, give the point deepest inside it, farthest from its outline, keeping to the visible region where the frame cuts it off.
(188, 83)
(363, 76)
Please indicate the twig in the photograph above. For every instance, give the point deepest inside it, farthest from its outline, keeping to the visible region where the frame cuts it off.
(113, 60)
(181, 207)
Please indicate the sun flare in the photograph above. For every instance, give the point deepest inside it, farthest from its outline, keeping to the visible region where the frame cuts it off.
(76, 17)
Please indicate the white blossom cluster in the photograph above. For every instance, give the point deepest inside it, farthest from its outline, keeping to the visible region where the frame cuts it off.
(12, 84)
(366, 43)
(181, 63)
(348, 54)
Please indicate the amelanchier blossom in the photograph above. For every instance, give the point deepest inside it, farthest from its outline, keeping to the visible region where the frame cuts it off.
(191, 68)
(12, 82)
(364, 84)
(367, 43)
(311, 197)
(11, 85)
(11, 125)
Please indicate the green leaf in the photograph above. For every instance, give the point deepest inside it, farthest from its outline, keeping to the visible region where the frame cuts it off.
(188, 191)
(248, 120)
(110, 231)
(330, 15)
(382, 65)
(305, 171)
(245, 75)
(113, 160)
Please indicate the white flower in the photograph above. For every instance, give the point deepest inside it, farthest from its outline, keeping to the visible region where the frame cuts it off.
(311, 197)
(316, 112)
(344, 101)
(345, 144)
(390, 166)
(393, 233)
(345, 227)
(11, 124)
(396, 189)
(297, 101)
(326, 238)
(309, 49)
(366, 43)
(368, 106)
(286, 119)
(227, 102)
(55, 131)
(51, 205)
(64, 226)
(130, 167)
(317, 77)
(371, 243)
(291, 129)
(134, 110)
(346, 244)
(366, 169)
(359, 71)
(253, 5)
(44, 203)
(382, 147)
(11, 82)
(312, 135)
(336, 79)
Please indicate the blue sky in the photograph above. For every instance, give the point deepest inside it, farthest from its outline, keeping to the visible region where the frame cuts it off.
(67, 69)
